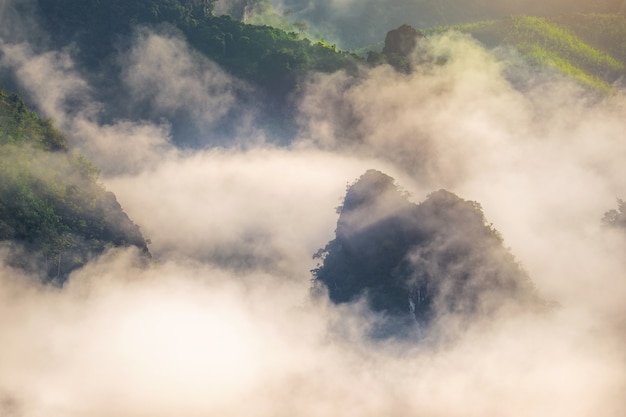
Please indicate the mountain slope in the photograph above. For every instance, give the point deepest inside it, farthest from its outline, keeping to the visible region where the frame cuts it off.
(54, 216)
(422, 261)
(261, 54)
(588, 48)
(357, 24)
(269, 61)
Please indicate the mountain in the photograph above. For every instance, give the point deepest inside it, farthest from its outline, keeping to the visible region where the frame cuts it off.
(419, 262)
(54, 215)
(269, 57)
(587, 47)
(263, 67)
(357, 24)
(271, 62)
(398, 48)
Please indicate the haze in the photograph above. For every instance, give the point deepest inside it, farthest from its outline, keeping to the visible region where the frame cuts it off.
(222, 321)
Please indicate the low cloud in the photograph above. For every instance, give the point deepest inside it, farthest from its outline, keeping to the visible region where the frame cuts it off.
(50, 79)
(223, 322)
(165, 81)
(544, 161)
(193, 339)
(265, 208)
(162, 72)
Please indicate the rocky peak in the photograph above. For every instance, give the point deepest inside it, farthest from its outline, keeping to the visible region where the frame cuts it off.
(401, 41)
(421, 261)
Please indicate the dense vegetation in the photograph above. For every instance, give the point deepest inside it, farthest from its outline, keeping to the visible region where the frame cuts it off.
(604, 32)
(360, 23)
(269, 57)
(272, 61)
(588, 48)
(53, 214)
(421, 261)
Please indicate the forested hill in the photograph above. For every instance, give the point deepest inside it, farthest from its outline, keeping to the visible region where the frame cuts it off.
(590, 48)
(267, 56)
(360, 23)
(437, 259)
(54, 215)
(270, 60)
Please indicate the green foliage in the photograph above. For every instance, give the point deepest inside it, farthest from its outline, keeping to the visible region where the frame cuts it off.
(243, 49)
(561, 40)
(551, 59)
(50, 201)
(19, 125)
(269, 57)
(273, 61)
(588, 48)
(605, 32)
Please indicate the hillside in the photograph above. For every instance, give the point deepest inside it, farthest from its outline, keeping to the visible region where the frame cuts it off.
(437, 259)
(357, 24)
(269, 57)
(270, 65)
(589, 48)
(54, 215)
(269, 60)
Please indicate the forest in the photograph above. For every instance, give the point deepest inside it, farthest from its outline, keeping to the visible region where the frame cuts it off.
(54, 214)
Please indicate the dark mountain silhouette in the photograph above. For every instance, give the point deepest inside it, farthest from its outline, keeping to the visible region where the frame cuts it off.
(401, 41)
(421, 261)
(399, 45)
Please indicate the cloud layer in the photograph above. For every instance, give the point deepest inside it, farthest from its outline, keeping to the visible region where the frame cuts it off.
(223, 322)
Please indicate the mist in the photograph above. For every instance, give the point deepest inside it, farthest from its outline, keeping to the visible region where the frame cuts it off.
(222, 320)
(357, 24)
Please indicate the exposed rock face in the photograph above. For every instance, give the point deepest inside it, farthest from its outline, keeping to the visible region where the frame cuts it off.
(401, 41)
(424, 261)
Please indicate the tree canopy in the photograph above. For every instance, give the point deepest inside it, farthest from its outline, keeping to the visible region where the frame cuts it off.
(54, 215)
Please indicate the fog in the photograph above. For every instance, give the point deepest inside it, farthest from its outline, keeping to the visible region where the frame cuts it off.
(354, 24)
(222, 321)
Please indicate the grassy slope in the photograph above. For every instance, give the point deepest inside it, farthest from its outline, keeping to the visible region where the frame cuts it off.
(588, 48)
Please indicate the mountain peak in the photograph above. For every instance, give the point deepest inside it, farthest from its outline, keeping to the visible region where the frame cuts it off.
(422, 261)
(402, 40)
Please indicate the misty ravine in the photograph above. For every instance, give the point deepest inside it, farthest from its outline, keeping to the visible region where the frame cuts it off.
(211, 208)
